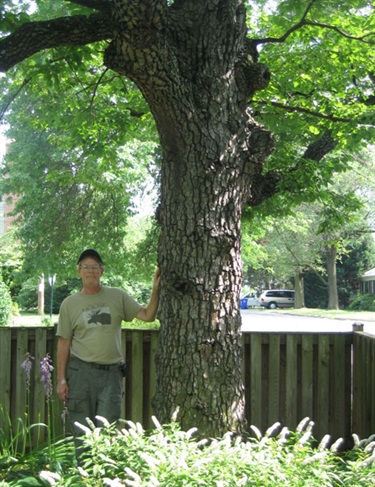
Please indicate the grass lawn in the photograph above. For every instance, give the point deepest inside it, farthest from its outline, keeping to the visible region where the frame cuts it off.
(331, 313)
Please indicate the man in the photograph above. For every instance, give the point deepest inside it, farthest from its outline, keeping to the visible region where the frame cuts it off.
(89, 358)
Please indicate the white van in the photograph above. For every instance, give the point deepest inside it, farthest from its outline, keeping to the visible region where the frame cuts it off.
(277, 298)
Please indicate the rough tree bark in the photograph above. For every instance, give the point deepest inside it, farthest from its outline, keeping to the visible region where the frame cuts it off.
(331, 256)
(299, 301)
(197, 71)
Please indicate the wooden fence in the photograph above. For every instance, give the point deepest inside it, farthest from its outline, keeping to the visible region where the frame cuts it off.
(329, 378)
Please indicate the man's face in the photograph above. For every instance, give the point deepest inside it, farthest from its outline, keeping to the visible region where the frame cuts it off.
(90, 271)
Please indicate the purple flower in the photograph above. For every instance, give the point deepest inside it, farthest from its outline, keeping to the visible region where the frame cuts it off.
(27, 365)
(46, 369)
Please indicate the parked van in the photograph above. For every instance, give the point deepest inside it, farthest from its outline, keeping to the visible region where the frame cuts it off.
(277, 298)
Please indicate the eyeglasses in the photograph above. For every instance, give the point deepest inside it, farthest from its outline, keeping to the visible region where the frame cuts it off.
(86, 267)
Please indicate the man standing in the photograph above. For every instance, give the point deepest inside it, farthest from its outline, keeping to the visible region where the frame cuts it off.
(89, 358)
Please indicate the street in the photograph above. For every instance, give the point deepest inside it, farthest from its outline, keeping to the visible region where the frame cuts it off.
(255, 319)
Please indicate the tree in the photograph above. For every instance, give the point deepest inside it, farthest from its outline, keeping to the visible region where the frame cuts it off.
(198, 69)
(326, 232)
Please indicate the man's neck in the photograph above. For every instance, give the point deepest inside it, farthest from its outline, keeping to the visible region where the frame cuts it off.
(91, 290)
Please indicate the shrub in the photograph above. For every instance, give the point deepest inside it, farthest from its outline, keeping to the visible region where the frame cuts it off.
(5, 304)
(365, 302)
(170, 457)
(27, 298)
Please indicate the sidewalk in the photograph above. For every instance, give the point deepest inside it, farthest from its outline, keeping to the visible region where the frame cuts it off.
(30, 320)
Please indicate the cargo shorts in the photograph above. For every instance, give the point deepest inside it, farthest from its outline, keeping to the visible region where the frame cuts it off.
(94, 390)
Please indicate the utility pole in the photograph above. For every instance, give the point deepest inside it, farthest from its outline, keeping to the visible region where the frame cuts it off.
(51, 281)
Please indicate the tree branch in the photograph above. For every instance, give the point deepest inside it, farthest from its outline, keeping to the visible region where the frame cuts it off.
(303, 22)
(33, 37)
(342, 33)
(101, 5)
(288, 108)
(7, 103)
(320, 147)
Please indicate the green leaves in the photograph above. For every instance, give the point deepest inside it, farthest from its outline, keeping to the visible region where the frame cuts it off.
(320, 83)
(84, 142)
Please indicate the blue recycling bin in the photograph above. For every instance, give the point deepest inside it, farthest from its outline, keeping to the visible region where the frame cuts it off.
(243, 303)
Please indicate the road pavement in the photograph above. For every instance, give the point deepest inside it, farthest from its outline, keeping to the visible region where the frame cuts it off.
(256, 319)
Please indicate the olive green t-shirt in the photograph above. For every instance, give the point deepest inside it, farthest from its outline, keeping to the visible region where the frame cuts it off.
(93, 323)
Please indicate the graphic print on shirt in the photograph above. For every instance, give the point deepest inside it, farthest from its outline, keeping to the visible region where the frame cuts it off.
(97, 316)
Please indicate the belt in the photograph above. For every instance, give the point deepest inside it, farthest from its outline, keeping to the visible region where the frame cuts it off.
(103, 366)
(94, 365)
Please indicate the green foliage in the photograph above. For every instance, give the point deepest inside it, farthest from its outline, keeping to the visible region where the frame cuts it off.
(168, 457)
(342, 219)
(84, 143)
(321, 88)
(27, 298)
(153, 325)
(6, 305)
(84, 140)
(11, 259)
(365, 302)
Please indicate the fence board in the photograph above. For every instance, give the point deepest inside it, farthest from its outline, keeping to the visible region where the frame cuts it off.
(322, 407)
(274, 380)
(256, 379)
(124, 354)
(19, 377)
(136, 370)
(358, 366)
(338, 388)
(307, 374)
(39, 398)
(5, 378)
(291, 418)
(154, 345)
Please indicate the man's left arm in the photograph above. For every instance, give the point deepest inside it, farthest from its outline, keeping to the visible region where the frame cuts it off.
(149, 312)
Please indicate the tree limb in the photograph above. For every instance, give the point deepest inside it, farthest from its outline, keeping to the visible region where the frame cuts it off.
(288, 108)
(6, 105)
(101, 5)
(320, 147)
(303, 22)
(33, 37)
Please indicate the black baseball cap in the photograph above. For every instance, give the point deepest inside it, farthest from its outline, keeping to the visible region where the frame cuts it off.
(90, 253)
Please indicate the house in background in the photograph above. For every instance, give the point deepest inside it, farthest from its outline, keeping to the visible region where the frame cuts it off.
(6, 208)
(367, 282)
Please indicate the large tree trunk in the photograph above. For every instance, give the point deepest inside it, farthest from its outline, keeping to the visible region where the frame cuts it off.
(195, 83)
(333, 299)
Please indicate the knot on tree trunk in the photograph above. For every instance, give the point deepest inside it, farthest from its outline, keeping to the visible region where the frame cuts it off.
(114, 60)
(250, 75)
(259, 143)
(263, 187)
